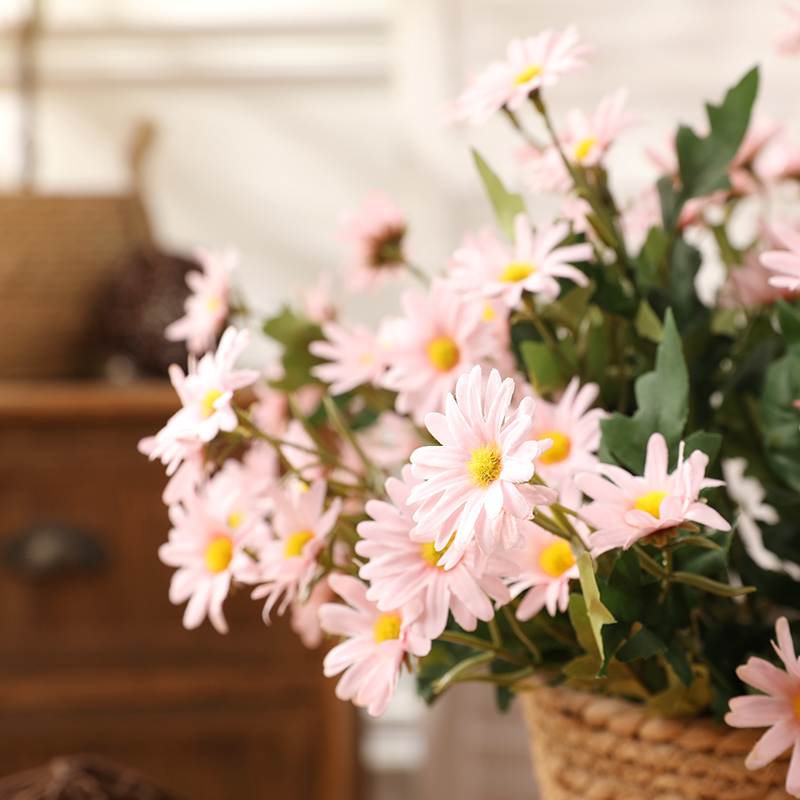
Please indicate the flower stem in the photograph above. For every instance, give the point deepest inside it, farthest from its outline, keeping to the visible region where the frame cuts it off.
(520, 634)
(454, 637)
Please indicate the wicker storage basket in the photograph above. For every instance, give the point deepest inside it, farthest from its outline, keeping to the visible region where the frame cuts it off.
(55, 257)
(591, 747)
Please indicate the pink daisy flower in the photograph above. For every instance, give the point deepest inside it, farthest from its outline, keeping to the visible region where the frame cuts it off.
(301, 526)
(376, 234)
(441, 337)
(637, 219)
(627, 507)
(185, 461)
(208, 305)
(305, 616)
(749, 285)
(531, 64)
(787, 41)
(354, 357)
(377, 644)
(786, 262)
(780, 161)
(206, 393)
(534, 264)
(546, 565)
(543, 170)
(585, 142)
(206, 544)
(476, 484)
(316, 300)
(401, 570)
(574, 428)
(390, 441)
(776, 708)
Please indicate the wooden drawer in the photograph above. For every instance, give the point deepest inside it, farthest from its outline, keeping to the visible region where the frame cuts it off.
(98, 661)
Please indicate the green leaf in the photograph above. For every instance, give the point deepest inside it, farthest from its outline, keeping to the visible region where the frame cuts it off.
(690, 313)
(544, 369)
(506, 205)
(790, 322)
(662, 398)
(295, 334)
(643, 644)
(647, 323)
(579, 618)
(597, 613)
(781, 419)
(703, 161)
(709, 443)
(679, 661)
(651, 258)
(671, 204)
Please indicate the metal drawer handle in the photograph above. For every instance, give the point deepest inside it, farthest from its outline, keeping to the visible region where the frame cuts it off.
(54, 549)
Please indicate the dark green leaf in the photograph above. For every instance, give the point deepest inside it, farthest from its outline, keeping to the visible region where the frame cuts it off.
(643, 644)
(690, 313)
(662, 398)
(703, 161)
(790, 322)
(781, 419)
(679, 661)
(709, 443)
(647, 323)
(545, 371)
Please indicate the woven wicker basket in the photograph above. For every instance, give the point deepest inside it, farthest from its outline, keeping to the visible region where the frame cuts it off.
(590, 747)
(56, 254)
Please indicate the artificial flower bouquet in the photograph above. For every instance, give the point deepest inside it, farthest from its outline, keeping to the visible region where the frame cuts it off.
(556, 460)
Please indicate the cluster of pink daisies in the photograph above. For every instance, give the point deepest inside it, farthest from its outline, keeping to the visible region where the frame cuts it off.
(468, 492)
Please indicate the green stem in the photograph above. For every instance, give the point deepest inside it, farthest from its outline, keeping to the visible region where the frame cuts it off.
(459, 672)
(498, 678)
(543, 521)
(454, 637)
(418, 273)
(520, 634)
(598, 198)
(547, 336)
(559, 633)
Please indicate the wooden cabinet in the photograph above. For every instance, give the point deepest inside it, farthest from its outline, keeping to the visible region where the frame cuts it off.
(94, 657)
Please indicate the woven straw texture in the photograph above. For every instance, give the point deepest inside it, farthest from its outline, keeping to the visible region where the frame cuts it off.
(55, 258)
(590, 747)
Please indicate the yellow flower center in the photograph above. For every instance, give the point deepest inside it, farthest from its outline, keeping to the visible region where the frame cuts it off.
(583, 147)
(560, 449)
(488, 313)
(796, 706)
(485, 464)
(235, 519)
(429, 552)
(443, 353)
(531, 71)
(387, 626)
(295, 543)
(651, 502)
(213, 304)
(517, 271)
(219, 554)
(556, 558)
(207, 404)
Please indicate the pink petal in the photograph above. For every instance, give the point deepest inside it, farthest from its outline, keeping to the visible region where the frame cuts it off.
(776, 740)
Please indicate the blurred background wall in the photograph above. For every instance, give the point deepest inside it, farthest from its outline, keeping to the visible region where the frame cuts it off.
(273, 116)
